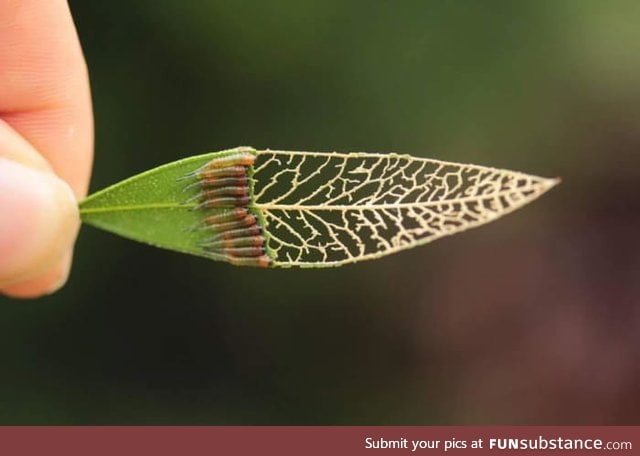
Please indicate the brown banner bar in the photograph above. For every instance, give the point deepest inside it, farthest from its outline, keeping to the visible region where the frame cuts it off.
(323, 440)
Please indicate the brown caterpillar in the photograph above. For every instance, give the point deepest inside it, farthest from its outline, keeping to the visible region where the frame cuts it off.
(261, 262)
(241, 181)
(227, 243)
(223, 191)
(235, 159)
(244, 251)
(247, 221)
(224, 202)
(253, 230)
(234, 214)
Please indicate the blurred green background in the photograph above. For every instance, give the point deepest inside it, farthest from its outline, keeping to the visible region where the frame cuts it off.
(534, 319)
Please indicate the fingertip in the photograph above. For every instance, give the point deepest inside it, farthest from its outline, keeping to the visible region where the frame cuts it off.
(45, 284)
(39, 226)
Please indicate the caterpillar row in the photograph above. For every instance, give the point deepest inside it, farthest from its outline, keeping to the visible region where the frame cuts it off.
(224, 194)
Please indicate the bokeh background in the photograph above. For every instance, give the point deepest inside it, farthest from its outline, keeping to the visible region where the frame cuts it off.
(534, 319)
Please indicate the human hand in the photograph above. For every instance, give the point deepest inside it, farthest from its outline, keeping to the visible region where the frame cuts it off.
(46, 144)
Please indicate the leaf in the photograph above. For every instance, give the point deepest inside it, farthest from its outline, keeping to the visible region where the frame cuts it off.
(306, 209)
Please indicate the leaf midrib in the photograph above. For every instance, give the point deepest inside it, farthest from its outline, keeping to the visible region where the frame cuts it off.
(134, 207)
(320, 207)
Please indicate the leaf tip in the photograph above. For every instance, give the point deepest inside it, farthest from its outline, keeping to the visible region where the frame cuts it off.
(549, 183)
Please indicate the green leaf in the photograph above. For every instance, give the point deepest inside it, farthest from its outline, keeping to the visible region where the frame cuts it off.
(152, 207)
(306, 209)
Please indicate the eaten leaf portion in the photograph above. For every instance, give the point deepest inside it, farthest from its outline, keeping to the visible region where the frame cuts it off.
(306, 209)
(331, 209)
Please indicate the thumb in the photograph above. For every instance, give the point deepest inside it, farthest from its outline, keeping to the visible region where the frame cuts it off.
(38, 225)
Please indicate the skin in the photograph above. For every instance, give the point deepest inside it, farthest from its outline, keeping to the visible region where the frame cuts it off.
(46, 144)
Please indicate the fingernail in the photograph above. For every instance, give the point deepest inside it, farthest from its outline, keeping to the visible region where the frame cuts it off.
(38, 222)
